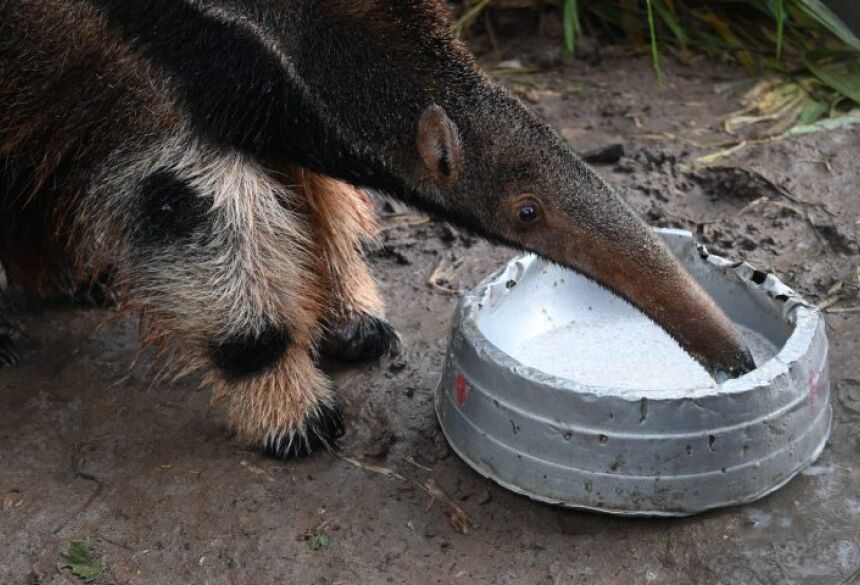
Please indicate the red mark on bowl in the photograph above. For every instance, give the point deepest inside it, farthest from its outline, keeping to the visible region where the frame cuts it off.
(814, 386)
(462, 389)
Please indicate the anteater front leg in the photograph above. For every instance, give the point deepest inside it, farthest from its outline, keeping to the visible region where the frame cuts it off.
(8, 354)
(217, 257)
(344, 219)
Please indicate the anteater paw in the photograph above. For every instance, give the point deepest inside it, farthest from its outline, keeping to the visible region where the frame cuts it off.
(362, 338)
(320, 433)
(8, 354)
(96, 292)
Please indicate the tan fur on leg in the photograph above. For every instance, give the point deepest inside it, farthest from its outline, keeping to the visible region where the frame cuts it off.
(277, 410)
(343, 219)
(240, 296)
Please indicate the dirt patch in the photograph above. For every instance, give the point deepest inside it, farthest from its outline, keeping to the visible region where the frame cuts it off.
(151, 478)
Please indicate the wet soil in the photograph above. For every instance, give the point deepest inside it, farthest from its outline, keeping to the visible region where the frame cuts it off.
(149, 475)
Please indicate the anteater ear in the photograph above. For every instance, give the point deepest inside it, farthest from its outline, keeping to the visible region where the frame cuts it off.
(439, 146)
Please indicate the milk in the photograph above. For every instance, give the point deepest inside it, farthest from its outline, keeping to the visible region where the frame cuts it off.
(624, 351)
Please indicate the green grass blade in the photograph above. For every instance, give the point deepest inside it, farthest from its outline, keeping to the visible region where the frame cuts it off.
(469, 17)
(817, 11)
(779, 9)
(722, 26)
(813, 110)
(843, 75)
(655, 54)
(571, 25)
(631, 23)
(667, 17)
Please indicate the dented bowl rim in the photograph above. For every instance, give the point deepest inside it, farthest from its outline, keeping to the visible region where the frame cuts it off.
(803, 318)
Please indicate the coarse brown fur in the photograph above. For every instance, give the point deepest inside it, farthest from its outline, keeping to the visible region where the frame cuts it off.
(283, 248)
(212, 155)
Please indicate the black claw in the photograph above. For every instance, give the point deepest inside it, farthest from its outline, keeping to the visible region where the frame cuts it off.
(743, 363)
(97, 292)
(322, 432)
(8, 354)
(364, 338)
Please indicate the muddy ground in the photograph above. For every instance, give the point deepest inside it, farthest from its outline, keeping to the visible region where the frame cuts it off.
(149, 475)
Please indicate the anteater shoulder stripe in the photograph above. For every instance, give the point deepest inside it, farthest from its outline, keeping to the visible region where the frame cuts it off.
(233, 86)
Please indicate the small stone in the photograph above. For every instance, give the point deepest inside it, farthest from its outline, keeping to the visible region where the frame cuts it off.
(605, 155)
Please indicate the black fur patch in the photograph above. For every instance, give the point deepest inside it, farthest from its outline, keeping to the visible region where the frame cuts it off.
(242, 356)
(232, 84)
(364, 338)
(239, 95)
(235, 88)
(322, 432)
(170, 210)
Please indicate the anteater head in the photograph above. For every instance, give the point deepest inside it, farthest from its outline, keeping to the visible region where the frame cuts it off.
(420, 122)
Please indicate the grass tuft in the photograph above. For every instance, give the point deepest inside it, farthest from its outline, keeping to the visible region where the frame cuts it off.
(796, 39)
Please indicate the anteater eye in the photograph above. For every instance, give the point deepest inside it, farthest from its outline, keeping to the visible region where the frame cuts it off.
(528, 212)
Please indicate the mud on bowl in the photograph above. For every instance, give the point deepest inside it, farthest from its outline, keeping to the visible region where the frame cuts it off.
(638, 439)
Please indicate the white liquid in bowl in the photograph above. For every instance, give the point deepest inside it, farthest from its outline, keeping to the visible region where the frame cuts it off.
(624, 351)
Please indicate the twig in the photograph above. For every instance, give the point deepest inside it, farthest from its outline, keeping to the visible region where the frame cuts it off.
(837, 310)
(707, 158)
(256, 470)
(396, 220)
(457, 517)
(411, 461)
(825, 163)
(371, 468)
(815, 231)
(755, 203)
(440, 273)
(491, 33)
(778, 189)
(835, 293)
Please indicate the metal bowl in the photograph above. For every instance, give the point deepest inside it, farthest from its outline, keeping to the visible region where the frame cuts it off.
(650, 451)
